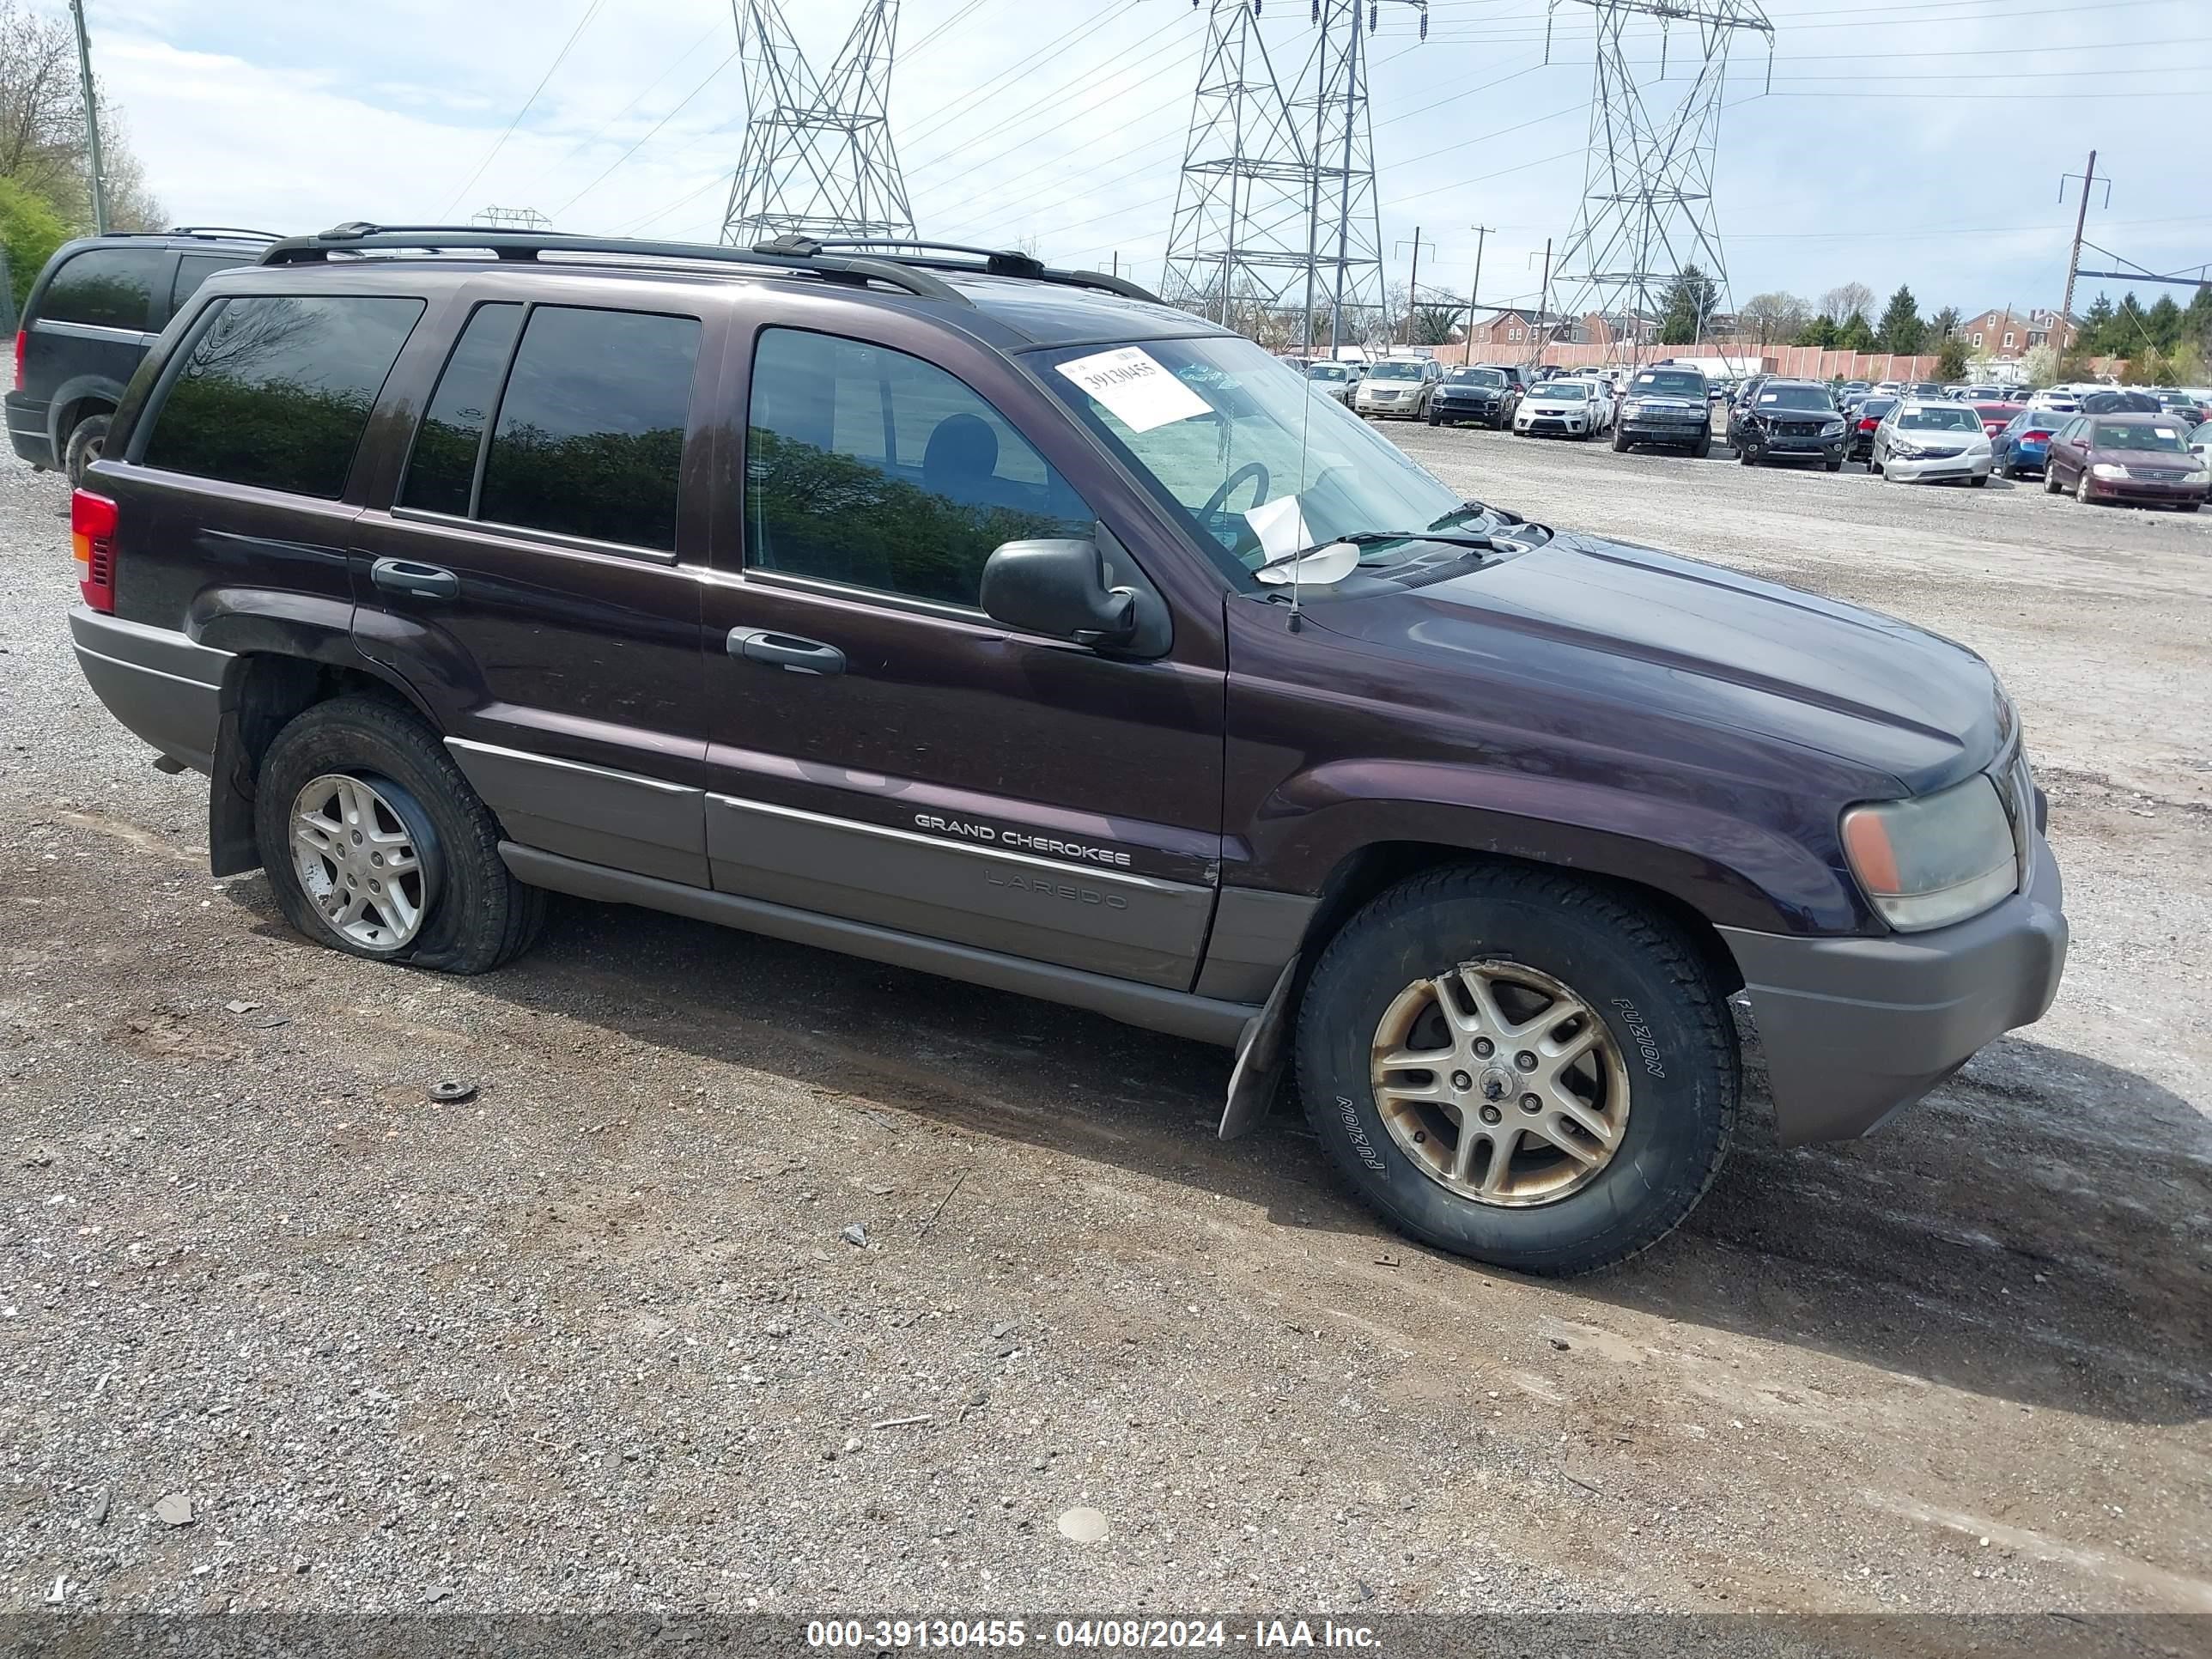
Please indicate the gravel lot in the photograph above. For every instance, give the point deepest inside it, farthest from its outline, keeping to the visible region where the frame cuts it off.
(592, 1340)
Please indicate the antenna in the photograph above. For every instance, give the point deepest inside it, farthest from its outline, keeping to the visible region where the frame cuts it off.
(817, 157)
(1647, 206)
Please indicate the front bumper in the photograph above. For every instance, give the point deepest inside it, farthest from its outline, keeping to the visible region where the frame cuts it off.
(1783, 447)
(165, 687)
(27, 430)
(1459, 409)
(1856, 1028)
(2149, 491)
(1542, 425)
(1405, 406)
(1946, 466)
(1660, 429)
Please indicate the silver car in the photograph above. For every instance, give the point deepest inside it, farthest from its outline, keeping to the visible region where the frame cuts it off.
(1928, 439)
(1334, 379)
(1398, 385)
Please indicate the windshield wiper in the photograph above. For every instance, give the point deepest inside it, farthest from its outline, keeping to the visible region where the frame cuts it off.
(1377, 538)
(1472, 508)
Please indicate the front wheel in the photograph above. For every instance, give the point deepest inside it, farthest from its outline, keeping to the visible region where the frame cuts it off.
(1619, 443)
(1743, 453)
(1981, 482)
(2081, 488)
(375, 844)
(2051, 484)
(1702, 447)
(1513, 1065)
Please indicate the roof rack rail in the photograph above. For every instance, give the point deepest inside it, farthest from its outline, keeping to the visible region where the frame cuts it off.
(525, 246)
(237, 232)
(996, 262)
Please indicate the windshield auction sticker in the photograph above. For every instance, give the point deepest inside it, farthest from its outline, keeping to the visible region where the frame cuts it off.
(1136, 390)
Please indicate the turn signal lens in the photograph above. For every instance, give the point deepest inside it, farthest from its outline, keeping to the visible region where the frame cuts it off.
(91, 540)
(1933, 859)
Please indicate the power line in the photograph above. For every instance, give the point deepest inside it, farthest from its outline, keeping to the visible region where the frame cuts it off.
(590, 12)
(711, 76)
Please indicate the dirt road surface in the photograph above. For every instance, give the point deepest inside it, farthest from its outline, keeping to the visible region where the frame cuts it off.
(595, 1338)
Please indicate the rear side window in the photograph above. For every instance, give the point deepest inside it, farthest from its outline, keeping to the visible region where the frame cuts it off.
(193, 269)
(105, 288)
(871, 467)
(441, 472)
(591, 427)
(277, 391)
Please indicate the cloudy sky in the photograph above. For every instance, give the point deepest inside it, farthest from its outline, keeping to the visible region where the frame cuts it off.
(1918, 143)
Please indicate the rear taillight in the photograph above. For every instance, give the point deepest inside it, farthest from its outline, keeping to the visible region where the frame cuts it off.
(92, 539)
(2034, 437)
(22, 340)
(1868, 426)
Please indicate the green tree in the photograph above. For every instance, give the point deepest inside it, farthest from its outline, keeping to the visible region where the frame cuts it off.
(1901, 329)
(1687, 305)
(1951, 359)
(2126, 335)
(1856, 336)
(2164, 322)
(2096, 323)
(30, 230)
(1944, 323)
(1820, 331)
(2197, 321)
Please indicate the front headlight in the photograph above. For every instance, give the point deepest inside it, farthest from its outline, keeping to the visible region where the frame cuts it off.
(2203, 475)
(1903, 446)
(1933, 859)
(2109, 470)
(1833, 429)
(1631, 407)
(1980, 446)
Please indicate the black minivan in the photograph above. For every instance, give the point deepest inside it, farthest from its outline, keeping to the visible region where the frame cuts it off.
(99, 304)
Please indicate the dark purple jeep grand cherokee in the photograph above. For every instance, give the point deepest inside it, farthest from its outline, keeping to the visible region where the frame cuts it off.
(1000, 621)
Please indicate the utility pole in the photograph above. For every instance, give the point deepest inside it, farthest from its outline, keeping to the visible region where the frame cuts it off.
(1474, 293)
(2080, 221)
(1413, 283)
(1543, 306)
(92, 125)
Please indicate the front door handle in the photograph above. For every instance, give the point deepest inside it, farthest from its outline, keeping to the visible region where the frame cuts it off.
(786, 651)
(421, 582)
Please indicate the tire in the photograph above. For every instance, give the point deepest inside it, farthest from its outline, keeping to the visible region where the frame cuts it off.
(2051, 484)
(1702, 447)
(1665, 1021)
(1981, 483)
(1743, 455)
(2081, 488)
(1435, 419)
(474, 916)
(1836, 465)
(87, 442)
(1620, 444)
(2188, 507)
(1874, 465)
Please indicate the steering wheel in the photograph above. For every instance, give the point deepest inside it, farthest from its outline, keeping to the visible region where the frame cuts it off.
(1252, 470)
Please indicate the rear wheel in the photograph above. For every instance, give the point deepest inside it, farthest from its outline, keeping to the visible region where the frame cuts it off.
(87, 443)
(375, 845)
(1516, 1066)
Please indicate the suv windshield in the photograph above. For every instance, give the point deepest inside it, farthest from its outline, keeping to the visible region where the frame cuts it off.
(1215, 428)
(2132, 434)
(1960, 419)
(1475, 376)
(1671, 383)
(1795, 396)
(1395, 371)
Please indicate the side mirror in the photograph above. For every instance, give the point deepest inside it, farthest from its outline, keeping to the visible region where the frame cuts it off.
(1058, 587)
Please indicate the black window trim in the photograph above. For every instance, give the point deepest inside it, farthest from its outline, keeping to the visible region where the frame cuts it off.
(524, 533)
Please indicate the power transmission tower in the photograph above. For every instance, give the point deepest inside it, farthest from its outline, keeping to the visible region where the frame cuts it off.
(500, 218)
(1276, 205)
(1647, 208)
(2081, 223)
(817, 156)
(91, 120)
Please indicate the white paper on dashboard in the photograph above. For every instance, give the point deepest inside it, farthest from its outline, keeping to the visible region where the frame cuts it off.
(1280, 527)
(1137, 391)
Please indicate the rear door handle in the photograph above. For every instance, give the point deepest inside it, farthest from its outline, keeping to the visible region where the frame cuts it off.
(786, 651)
(422, 581)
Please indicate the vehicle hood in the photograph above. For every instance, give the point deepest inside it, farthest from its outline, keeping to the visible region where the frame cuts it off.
(1669, 637)
(1551, 402)
(1663, 399)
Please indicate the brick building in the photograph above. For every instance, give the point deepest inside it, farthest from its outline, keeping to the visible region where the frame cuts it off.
(2006, 334)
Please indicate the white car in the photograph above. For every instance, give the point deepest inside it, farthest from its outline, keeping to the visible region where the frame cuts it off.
(1574, 408)
(2200, 443)
(1334, 379)
(2057, 399)
(1925, 440)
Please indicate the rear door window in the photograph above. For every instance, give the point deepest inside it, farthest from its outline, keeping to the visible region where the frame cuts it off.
(442, 470)
(590, 430)
(105, 287)
(275, 391)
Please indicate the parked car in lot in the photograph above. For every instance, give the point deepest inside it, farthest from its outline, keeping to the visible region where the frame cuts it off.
(2200, 444)
(1398, 385)
(1789, 420)
(2185, 407)
(1982, 394)
(998, 621)
(1930, 440)
(2054, 400)
(1994, 417)
(1667, 407)
(1859, 423)
(2141, 459)
(1486, 395)
(1564, 408)
(2118, 403)
(90, 314)
(1333, 380)
(2021, 447)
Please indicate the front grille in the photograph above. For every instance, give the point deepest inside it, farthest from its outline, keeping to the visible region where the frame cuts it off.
(1940, 454)
(1796, 428)
(2157, 474)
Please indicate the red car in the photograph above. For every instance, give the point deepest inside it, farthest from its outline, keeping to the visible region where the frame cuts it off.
(2142, 458)
(1995, 417)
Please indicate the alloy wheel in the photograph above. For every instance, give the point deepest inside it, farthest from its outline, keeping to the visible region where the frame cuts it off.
(357, 861)
(1500, 1083)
